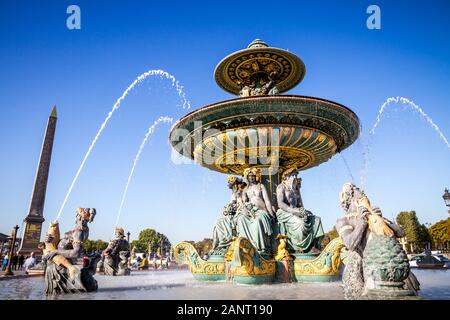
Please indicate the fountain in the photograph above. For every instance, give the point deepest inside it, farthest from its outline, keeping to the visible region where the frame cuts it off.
(263, 131)
(267, 138)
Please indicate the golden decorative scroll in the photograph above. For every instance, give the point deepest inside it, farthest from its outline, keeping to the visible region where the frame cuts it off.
(327, 263)
(185, 253)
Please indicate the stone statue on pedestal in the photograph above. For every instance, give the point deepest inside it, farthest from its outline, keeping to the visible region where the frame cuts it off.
(303, 229)
(254, 216)
(375, 264)
(116, 255)
(61, 275)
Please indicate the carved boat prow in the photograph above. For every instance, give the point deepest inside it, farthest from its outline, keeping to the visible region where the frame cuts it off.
(248, 266)
(322, 268)
(212, 269)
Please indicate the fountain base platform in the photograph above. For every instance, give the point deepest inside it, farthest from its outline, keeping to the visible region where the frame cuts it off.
(243, 264)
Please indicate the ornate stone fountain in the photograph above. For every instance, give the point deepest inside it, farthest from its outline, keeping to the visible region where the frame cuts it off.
(272, 133)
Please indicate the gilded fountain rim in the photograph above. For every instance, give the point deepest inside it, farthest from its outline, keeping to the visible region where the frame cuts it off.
(215, 105)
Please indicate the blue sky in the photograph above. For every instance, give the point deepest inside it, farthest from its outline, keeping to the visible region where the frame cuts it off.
(84, 71)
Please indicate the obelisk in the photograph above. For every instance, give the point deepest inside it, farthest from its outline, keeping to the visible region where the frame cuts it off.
(35, 218)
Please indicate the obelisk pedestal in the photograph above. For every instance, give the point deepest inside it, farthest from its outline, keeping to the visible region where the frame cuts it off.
(35, 218)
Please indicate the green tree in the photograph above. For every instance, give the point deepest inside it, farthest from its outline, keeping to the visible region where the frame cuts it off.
(88, 246)
(203, 246)
(94, 245)
(151, 239)
(424, 237)
(100, 245)
(415, 232)
(440, 234)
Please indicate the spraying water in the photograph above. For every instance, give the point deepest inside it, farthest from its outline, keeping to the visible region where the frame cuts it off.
(383, 107)
(151, 129)
(139, 79)
(413, 106)
(348, 167)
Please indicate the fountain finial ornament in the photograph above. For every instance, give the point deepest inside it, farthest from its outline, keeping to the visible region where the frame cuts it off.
(257, 43)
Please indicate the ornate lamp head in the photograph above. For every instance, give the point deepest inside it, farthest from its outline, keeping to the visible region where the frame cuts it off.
(446, 198)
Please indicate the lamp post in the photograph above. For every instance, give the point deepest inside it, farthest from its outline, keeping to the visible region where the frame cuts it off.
(446, 198)
(8, 271)
(128, 236)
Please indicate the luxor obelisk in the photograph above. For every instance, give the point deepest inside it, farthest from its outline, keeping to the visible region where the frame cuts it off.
(35, 218)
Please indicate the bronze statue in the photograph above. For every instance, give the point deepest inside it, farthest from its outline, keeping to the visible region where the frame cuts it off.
(303, 229)
(116, 255)
(245, 89)
(259, 84)
(225, 227)
(61, 275)
(255, 215)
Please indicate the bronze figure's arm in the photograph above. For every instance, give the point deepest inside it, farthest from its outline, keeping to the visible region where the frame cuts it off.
(398, 230)
(109, 248)
(267, 201)
(76, 246)
(71, 253)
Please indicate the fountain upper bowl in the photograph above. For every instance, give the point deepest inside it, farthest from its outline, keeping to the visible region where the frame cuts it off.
(295, 131)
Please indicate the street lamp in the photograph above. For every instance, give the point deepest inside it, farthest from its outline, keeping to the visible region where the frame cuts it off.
(446, 198)
(8, 271)
(128, 236)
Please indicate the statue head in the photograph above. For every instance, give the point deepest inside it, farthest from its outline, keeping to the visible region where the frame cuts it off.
(120, 232)
(86, 214)
(232, 180)
(349, 193)
(290, 177)
(252, 175)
